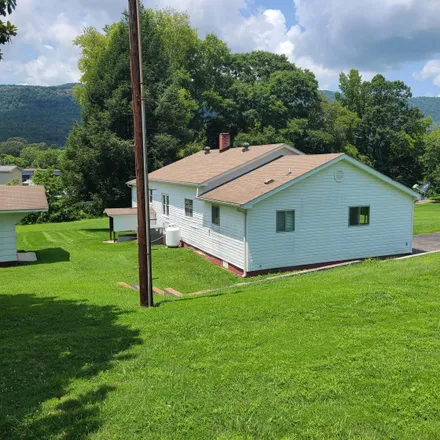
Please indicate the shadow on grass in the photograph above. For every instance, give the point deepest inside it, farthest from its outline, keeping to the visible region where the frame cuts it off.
(52, 255)
(45, 344)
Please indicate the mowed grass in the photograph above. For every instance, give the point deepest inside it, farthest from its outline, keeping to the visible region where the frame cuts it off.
(352, 353)
(427, 218)
(81, 244)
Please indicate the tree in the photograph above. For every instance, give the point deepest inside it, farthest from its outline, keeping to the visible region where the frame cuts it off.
(265, 95)
(6, 159)
(7, 29)
(59, 208)
(13, 146)
(170, 50)
(332, 129)
(431, 159)
(353, 92)
(390, 133)
(97, 166)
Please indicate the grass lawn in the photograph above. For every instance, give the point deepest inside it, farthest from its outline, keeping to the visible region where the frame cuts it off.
(352, 353)
(427, 218)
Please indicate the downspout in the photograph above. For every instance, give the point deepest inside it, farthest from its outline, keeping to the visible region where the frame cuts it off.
(245, 246)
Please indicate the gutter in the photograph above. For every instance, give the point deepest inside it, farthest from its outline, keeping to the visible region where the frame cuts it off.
(217, 202)
(24, 211)
(166, 181)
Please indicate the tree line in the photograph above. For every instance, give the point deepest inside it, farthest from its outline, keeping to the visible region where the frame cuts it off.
(19, 152)
(196, 88)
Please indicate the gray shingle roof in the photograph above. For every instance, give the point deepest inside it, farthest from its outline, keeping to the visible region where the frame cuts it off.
(7, 168)
(22, 198)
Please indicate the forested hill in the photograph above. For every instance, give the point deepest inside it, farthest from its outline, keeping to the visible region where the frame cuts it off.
(428, 106)
(46, 114)
(38, 114)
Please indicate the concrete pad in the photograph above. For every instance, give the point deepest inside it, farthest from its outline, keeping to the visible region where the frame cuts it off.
(27, 257)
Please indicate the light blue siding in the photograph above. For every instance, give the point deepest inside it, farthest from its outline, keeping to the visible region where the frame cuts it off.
(322, 233)
(8, 238)
(225, 242)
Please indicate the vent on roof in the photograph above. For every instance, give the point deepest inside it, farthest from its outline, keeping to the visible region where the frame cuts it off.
(207, 150)
(269, 181)
(245, 147)
(339, 176)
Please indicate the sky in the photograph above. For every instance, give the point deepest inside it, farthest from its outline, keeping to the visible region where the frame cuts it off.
(398, 38)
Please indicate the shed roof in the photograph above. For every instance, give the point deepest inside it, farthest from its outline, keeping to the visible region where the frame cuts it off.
(23, 199)
(200, 167)
(7, 168)
(267, 178)
(114, 212)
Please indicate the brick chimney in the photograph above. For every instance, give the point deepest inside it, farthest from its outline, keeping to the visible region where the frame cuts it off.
(225, 141)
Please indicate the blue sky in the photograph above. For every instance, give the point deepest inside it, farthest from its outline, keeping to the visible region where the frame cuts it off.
(398, 38)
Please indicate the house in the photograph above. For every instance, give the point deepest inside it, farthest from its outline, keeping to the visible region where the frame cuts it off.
(16, 202)
(28, 174)
(9, 174)
(270, 207)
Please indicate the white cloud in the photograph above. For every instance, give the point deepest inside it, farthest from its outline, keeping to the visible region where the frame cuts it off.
(431, 70)
(43, 52)
(368, 34)
(328, 37)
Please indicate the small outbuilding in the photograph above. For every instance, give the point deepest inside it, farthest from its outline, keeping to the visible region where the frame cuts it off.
(9, 174)
(125, 219)
(16, 202)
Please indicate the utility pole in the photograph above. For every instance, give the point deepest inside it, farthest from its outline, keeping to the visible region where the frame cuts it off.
(143, 202)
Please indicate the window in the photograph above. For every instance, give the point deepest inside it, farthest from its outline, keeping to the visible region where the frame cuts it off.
(150, 191)
(285, 221)
(359, 216)
(165, 204)
(215, 215)
(188, 207)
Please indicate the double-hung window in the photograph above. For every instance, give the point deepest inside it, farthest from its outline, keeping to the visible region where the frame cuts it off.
(188, 207)
(359, 216)
(285, 221)
(165, 204)
(215, 215)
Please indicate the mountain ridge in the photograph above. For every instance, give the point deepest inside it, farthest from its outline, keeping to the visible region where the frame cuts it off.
(38, 113)
(47, 114)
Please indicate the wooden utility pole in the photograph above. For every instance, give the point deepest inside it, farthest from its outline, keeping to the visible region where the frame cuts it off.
(143, 203)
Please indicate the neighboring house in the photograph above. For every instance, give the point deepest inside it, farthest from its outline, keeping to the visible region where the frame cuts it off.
(9, 174)
(28, 174)
(16, 202)
(270, 207)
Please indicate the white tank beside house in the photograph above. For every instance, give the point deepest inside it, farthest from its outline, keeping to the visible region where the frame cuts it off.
(172, 236)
